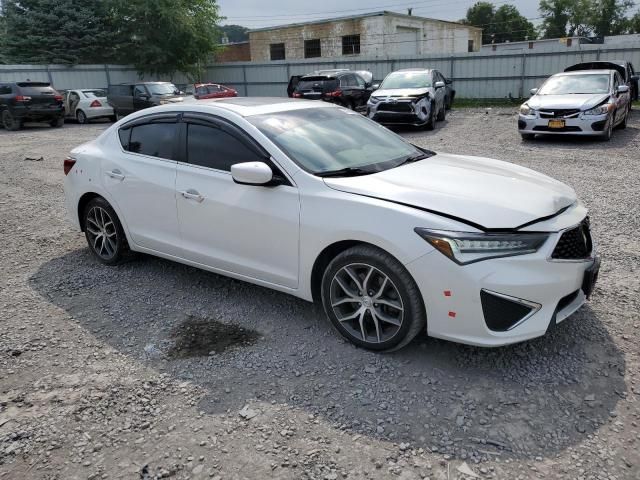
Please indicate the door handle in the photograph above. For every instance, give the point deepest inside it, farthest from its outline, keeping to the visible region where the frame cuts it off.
(192, 194)
(117, 174)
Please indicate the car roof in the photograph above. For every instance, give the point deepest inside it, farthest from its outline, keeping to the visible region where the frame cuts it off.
(245, 106)
(414, 70)
(584, 72)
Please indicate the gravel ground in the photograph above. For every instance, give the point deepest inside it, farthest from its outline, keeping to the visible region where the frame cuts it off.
(154, 369)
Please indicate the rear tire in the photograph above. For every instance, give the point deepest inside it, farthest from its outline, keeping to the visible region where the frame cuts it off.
(81, 117)
(383, 310)
(104, 232)
(57, 122)
(9, 122)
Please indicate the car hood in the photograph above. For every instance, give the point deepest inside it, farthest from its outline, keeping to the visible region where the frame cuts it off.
(581, 101)
(400, 92)
(485, 193)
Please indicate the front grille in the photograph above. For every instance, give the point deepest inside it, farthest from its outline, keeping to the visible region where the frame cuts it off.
(402, 107)
(558, 112)
(574, 244)
(541, 128)
(500, 313)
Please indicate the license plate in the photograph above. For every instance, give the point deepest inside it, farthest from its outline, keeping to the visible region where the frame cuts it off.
(591, 277)
(556, 124)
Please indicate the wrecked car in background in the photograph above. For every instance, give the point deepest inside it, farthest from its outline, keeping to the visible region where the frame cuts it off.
(414, 96)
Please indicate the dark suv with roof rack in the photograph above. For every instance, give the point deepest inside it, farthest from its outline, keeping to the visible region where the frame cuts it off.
(22, 102)
(344, 87)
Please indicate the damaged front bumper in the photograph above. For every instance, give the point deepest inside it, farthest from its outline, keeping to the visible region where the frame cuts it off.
(400, 110)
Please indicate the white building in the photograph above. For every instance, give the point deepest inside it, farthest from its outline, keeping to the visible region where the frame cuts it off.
(379, 34)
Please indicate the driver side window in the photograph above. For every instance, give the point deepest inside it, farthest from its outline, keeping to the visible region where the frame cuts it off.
(140, 91)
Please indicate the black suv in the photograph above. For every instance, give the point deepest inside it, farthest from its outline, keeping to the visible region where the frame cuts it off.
(127, 98)
(30, 102)
(345, 88)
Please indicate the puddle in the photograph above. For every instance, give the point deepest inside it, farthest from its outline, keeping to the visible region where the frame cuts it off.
(196, 337)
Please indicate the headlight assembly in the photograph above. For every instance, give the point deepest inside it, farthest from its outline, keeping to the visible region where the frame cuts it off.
(373, 100)
(527, 110)
(465, 247)
(600, 110)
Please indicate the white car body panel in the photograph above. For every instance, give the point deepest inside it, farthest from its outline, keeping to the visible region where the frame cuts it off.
(273, 236)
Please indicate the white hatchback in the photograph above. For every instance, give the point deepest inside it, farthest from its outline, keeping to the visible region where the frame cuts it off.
(320, 202)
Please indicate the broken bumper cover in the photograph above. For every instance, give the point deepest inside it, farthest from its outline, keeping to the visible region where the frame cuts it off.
(581, 124)
(400, 111)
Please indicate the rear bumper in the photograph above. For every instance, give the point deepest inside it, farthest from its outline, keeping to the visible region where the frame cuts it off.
(37, 114)
(98, 112)
(595, 125)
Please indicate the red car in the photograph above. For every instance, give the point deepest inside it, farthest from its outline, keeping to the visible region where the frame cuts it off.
(201, 91)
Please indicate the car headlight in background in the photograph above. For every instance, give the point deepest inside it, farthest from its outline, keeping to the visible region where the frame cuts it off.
(599, 110)
(527, 110)
(466, 247)
(373, 100)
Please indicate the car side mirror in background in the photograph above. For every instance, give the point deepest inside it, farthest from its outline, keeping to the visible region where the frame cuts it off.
(375, 86)
(623, 88)
(251, 173)
(439, 85)
(533, 91)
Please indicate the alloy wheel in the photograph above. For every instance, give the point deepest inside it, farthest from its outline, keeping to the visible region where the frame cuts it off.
(102, 233)
(81, 117)
(366, 303)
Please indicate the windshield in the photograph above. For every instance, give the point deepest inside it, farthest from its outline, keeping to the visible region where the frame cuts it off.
(328, 139)
(574, 84)
(94, 93)
(162, 88)
(407, 80)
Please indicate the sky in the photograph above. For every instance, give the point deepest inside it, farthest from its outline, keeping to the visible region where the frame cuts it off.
(264, 13)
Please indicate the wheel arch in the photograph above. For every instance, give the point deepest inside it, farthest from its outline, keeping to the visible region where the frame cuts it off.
(82, 203)
(329, 253)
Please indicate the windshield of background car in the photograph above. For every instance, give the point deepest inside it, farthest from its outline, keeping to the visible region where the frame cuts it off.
(320, 84)
(407, 80)
(162, 88)
(95, 93)
(328, 139)
(575, 84)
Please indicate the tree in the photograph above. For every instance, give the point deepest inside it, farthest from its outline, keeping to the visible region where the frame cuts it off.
(167, 36)
(57, 31)
(234, 33)
(608, 17)
(505, 24)
(634, 24)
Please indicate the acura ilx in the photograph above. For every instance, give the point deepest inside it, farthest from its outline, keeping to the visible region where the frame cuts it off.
(317, 201)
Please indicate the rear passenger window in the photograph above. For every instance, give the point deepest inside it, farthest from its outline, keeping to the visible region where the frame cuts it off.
(5, 90)
(153, 139)
(214, 148)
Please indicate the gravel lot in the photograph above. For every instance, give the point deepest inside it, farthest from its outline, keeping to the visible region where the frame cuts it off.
(145, 370)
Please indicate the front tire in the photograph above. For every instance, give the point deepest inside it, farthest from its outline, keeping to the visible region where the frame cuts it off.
(104, 232)
(609, 132)
(442, 115)
(372, 300)
(431, 122)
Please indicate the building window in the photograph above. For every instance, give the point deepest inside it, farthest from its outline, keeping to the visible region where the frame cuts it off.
(569, 42)
(470, 46)
(530, 45)
(277, 51)
(312, 48)
(351, 45)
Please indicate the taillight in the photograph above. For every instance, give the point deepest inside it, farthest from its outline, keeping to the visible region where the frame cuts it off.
(57, 98)
(22, 98)
(335, 93)
(68, 164)
(95, 103)
(297, 95)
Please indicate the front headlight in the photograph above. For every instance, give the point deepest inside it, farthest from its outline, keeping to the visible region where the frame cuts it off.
(466, 247)
(373, 100)
(527, 110)
(600, 110)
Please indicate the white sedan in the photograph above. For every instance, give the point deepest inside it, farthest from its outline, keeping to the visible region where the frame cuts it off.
(317, 201)
(87, 104)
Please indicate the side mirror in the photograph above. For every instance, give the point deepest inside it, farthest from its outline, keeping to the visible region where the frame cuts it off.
(251, 173)
(439, 85)
(375, 86)
(533, 91)
(623, 88)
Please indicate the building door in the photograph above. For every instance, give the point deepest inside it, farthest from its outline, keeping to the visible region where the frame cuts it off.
(406, 41)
